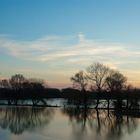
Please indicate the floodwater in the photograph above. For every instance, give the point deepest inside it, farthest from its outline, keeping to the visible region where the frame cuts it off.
(67, 123)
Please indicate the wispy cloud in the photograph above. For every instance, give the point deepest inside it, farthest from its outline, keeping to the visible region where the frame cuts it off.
(56, 47)
(71, 52)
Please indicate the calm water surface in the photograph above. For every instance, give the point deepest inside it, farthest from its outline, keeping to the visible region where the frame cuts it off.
(69, 123)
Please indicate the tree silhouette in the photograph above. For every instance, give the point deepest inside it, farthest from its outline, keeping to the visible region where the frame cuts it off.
(97, 74)
(79, 81)
(16, 81)
(115, 81)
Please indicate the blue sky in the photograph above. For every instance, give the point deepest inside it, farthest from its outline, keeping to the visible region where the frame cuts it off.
(115, 20)
(52, 39)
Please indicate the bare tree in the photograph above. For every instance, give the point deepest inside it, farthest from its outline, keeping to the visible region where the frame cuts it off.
(17, 80)
(79, 81)
(116, 81)
(97, 74)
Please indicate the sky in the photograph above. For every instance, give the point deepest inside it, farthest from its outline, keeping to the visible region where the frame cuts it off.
(54, 39)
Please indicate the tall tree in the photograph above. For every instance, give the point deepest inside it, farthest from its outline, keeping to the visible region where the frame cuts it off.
(97, 74)
(116, 81)
(79, 81)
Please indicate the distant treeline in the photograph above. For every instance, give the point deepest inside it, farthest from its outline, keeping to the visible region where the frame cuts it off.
(18, 87)
(98, 81)
(68, 93)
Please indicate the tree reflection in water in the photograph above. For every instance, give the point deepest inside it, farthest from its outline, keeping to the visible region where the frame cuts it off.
(107, 125)
(19, 119)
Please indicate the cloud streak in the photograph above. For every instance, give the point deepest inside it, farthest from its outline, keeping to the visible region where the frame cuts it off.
(57, 48)
(68, 53)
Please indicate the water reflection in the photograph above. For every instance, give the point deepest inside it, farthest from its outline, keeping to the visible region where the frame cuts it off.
(19, 119)
(85, 123)
(103, 124)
